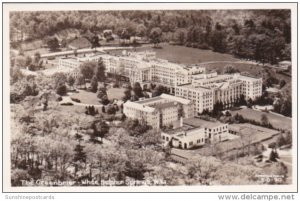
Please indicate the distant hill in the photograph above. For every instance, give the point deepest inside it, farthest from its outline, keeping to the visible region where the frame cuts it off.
(261, 35)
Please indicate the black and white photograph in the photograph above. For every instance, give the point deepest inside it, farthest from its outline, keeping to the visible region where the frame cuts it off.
(151, 96)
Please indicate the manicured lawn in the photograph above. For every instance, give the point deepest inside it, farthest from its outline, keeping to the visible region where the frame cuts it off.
(187, 55)
(276, 120)
(86, 97)
(242, 67)
(115, 93)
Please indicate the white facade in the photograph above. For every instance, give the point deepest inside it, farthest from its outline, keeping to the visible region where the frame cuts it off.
(252, 87)
(209, 88)
(203, 98)
(68, 63)
(142, 113)
(190, 82)
(159, 111)
(208, 132)
(185, 139)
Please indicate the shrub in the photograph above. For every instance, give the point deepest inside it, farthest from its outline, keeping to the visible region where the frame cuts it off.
(59, 98)
(188, 44)
(76, 100)
(67, 104)
(111, 110)
(272, 145)
(115, 85)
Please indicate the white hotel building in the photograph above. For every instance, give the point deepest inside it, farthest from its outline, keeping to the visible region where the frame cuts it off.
(209, 88)
(189, 82)
(159, 111)
(142, 67)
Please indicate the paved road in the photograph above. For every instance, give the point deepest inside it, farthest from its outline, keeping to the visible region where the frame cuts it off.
(85, 50)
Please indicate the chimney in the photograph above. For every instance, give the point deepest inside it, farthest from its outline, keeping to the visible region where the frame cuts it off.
(181, 122)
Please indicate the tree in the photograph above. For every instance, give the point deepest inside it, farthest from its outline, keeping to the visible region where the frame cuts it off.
(282, 83)
(61, 89)
(111, 110)
(21, 61)
(75, 52)
(71, 81)
(264, 120)
(141, 30)
(28, 61)
(100, 129)
(155, 36)
(137, 89)
(273, 156)
(59, 79)
(230, 70)
(80, 80)
(159, 90)
(53, 43)
(63, 43)
(281, 140)
(218, 39)
(37, 58)
(100, 70)
(180, 36)
(102, 95)
(127, 95)
(87, 69)
(95, 41)
(94, 84)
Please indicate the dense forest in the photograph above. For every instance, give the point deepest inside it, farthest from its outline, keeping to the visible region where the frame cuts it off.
(261, 35)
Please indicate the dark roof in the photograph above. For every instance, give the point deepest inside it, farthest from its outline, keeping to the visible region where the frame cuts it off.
(165, 105)
(80, 43)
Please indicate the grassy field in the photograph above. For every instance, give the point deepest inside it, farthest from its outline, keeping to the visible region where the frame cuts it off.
(115, 93)
(276, 120)
(243, 67)
(187, 55)
(86, 97)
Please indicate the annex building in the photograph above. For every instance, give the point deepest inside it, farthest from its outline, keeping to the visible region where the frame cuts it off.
(159, 112)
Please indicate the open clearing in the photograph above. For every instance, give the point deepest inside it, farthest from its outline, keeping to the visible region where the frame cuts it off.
(276, 120)
(187, 55)
(115, 93)
(86, 97)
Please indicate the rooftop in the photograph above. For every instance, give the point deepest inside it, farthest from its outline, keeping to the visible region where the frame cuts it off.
(196, 122)
(190, 86)
(165, 105)
(175, 98)
(179, 132)
(225, 146)
(138, 106)
(149, 100)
